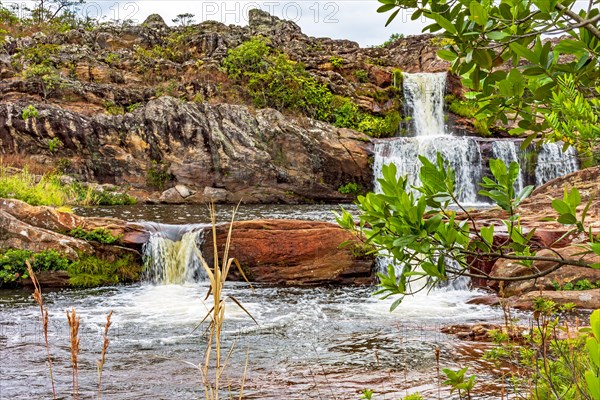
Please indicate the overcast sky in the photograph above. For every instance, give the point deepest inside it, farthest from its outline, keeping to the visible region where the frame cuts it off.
(348, 19)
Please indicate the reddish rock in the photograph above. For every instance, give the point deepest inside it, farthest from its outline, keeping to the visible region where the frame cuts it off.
(566, 273)
(583, 299)
(294, 252)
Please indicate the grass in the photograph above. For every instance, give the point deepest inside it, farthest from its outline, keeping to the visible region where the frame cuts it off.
(48, 190)
(217, 277)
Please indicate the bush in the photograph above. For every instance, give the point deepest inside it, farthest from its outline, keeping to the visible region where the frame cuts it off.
(248, 58)
(337, 62)
(157, 175)
(48, 191)
(350, 188)
(91, 271)
(13, 266)
(99, 235)
(114, 109)
(29, 112)
(361, 75)
(54, 144)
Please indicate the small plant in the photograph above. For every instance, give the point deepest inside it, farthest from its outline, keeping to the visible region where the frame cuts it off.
(584, 284)
(99, 235)
(350, 188)
(132, 107)
(393, 38)
(459, 383)
(361, 75)
(54, 144)
(29, 112)
(366, 394)
(158, 175)
(414, 396)
(337, 62)
(112, 58)
(113, 109)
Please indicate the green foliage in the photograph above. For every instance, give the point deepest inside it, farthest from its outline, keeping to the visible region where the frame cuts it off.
(350, 188)
(99, 235)
(413, 226)
(550, 88)
(88, 196)
(361, 75)
(133, 107)
(459, 383)
(366, 394)
(414, 396)
(393, 38)
(114, 109)
(184, 19)
(347, 115)
(29, 112)
(54, 144)
(337, 62)
(158, 175)
(44, 77)
(247, 58)
(23, 186)
(112, 58)
(13, 267)
(91, 271)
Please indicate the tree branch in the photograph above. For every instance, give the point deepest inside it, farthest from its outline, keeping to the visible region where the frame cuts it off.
(587, 24)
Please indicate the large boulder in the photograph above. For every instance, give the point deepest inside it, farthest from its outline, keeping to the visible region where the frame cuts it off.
(583, 299)
(294, 252)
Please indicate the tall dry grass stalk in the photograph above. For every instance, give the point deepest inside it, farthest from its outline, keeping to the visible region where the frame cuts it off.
(37, 295)
(74, 339)
(217, 276)
(105, 344)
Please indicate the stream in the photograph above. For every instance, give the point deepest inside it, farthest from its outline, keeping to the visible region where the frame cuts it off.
(310, 343)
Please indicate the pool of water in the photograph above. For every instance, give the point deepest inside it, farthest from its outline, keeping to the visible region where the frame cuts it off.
(322, 343)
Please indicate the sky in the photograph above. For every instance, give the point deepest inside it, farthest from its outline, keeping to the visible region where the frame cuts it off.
(355, 20)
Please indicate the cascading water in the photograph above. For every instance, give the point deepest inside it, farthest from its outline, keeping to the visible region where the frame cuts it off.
(171, 253)
(552, 162)
(424, 94)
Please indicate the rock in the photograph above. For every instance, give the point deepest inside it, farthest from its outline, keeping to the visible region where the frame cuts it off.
(184, 191)
(49, 279)
(293, 253)
(20, 235)
(224, 146)
(490, 300)
(155, 21)
(215, 195)
(171, 196)
(583, 299)
(565, 274)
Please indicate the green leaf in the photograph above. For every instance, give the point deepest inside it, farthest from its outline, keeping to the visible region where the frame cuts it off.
(567, 219)
(386, 7)
(593, 384)
(392, 17)
(524, 52)
(479, 13)
(487, 232)
(568, 46)
(483, 58)
(447, 55)
(444, 23)
(561, 207)
(497, 35)
(595, 248)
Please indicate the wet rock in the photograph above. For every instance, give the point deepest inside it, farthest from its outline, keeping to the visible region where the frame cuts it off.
(294, 253)
(49, 279)
(216, 195)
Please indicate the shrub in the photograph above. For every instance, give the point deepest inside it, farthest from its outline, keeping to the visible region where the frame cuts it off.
(362, 75)
(248, 58)
(54, 144)
(393, 37)
(99, 235)
(13, 267)
(350, 188)
(47, 191)
(114, 109)
(157, 175)
(337, 62)
(29, 112)
(112, 58)
(91, 271)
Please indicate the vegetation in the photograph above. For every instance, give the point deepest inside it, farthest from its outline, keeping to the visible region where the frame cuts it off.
(468, 109)
(48, 190)
(273, 80)
(29, 112)
(350, 188)
(158, 175)
(416, 230)
(550, 89)
(87, 271)
(99, 235)
(392, 39)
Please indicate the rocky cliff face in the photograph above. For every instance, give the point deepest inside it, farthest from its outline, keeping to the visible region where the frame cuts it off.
(129, 101)
(225, 152)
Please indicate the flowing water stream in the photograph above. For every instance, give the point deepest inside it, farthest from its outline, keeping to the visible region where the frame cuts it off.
(309, 343)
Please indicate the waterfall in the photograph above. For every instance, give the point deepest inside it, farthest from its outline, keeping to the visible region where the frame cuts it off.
(552, 162)
(424, 96)
(462, 154)
(506, 150)
(170, 254)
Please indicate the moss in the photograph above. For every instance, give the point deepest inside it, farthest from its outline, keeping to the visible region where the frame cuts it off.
(90, 271)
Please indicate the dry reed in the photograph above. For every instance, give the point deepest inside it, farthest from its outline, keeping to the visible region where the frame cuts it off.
(217, 276)
(74, 340)
(105, 344)
(37, 295)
